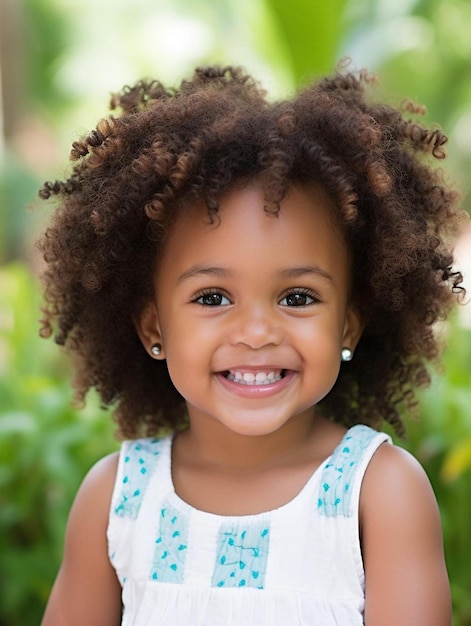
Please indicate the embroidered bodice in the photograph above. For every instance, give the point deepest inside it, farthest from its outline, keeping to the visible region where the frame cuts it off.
(299, 564)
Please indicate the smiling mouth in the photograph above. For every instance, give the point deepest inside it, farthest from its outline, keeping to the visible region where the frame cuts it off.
(254, 378)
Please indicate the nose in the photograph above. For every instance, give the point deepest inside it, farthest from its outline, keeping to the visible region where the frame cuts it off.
(256, 326)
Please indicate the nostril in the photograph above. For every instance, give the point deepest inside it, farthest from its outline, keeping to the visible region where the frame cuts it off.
(257, 331)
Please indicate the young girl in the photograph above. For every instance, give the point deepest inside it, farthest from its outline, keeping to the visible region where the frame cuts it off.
(253, 286)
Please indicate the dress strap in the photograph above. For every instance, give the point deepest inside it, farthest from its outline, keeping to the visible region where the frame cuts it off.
(342, 475)
(138, 460)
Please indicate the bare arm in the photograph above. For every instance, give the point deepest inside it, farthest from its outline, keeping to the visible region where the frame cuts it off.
(406, 578)
(86, 590)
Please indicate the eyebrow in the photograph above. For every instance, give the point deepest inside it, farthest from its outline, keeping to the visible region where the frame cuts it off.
(220, 272)
(294, 272)
(203, 270)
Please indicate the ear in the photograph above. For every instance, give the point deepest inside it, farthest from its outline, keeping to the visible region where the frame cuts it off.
(148, 328)
(353, 328)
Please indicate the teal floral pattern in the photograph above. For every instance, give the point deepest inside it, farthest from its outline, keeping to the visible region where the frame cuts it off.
(242, 553)
(170, 546)
(335, 494)
(140, 458)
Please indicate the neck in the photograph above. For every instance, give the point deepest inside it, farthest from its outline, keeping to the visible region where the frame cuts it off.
(220, 447)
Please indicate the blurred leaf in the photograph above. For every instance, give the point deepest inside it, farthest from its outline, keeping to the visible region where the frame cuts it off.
(16, 422)
(47, 33)
(457, 461)
(312, 31)
(46, 447)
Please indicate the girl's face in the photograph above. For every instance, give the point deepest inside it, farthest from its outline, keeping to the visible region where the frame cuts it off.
(252, 311)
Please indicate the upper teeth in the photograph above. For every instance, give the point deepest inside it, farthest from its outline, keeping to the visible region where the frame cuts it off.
(254, 378)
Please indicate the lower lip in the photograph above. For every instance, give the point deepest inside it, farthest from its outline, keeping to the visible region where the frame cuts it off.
(256, 391)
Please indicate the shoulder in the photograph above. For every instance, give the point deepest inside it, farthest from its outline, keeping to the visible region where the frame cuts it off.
(86, 589)
(396, 495)
(397, 491)
(101, 476)
(93, 498)
(402, 542)
(393, 471)
(90, 510)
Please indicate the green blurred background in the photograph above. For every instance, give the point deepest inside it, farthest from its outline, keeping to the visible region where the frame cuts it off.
(59, 60)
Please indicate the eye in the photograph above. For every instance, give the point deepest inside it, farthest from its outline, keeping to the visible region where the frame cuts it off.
(211, 297)
(299, 297)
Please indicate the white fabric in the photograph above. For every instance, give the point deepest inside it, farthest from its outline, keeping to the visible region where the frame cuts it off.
(298, 565)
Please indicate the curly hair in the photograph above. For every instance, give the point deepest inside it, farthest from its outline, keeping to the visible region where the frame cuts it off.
(167, 147)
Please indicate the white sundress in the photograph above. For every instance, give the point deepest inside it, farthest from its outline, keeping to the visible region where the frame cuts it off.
(297, 565)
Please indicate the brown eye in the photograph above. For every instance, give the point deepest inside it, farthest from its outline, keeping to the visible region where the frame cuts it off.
(212, 298)
(299, 298)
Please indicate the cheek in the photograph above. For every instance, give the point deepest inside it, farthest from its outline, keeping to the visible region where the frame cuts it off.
(323, 368)
(186, 346)
(325, 357)
(324, 333)
(322, 346)
(182, 367)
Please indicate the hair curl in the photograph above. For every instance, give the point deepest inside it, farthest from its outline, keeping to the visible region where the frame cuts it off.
(168, 146)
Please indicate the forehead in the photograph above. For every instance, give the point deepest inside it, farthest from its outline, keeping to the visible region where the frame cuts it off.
(305, 226)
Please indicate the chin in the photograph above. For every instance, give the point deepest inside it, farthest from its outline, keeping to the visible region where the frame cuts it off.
(254, 429)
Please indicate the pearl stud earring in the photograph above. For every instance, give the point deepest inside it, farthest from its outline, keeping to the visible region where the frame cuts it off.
(156, 349)
(347, 354)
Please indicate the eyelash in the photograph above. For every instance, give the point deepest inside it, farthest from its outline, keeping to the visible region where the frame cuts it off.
(205, 293)
(217, 293)
(302, 291)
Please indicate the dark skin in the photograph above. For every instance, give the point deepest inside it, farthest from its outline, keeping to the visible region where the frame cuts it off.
(287, 461)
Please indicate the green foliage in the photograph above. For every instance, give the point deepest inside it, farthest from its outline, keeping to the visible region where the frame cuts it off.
(46, 447)
(47, 33)
(441, 441)
(312, 31)
(17, 188)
